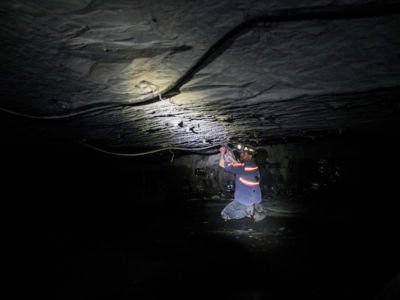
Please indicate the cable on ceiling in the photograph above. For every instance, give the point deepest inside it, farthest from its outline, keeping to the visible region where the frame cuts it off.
(284, 15)
(153, 151)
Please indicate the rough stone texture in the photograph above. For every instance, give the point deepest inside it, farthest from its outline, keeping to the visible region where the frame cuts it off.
(278, 80)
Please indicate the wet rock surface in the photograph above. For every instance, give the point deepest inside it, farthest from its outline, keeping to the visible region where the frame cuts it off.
(279, 79)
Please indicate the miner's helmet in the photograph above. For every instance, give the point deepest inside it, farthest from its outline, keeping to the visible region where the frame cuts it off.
(242, 148)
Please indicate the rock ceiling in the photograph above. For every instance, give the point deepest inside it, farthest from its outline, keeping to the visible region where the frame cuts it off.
(193, 73)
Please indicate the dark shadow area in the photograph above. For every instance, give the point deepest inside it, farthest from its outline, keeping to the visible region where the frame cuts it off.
(84, 225)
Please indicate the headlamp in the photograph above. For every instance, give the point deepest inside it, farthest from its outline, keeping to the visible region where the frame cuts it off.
(243, 148)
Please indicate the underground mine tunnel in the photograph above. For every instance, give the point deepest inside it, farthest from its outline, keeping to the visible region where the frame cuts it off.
(112, 116)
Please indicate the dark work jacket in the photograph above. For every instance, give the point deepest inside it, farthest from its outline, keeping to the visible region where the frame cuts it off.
(247, 182)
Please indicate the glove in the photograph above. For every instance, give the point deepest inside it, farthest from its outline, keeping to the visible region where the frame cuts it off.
(222, 150)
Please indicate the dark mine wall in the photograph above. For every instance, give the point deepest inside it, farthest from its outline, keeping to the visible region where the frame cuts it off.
(95, 218)
(293, 170)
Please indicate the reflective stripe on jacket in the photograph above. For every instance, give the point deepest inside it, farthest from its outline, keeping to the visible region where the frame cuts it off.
(247, 183)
